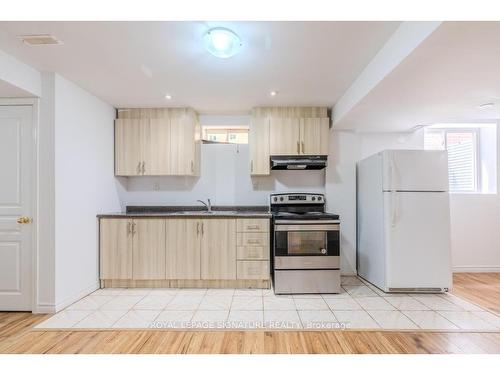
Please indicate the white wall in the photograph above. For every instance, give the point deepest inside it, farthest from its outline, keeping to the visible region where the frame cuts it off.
(475, 235)
(84, 186)
(346, 149)
(46, 262)
(225, 178)
(475, 222)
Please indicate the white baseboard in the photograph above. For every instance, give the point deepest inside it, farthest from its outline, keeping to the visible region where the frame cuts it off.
(349, 273)
(44, 308)
(478, 269)
(51, 308)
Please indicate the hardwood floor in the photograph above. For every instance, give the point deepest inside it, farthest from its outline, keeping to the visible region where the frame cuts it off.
(480, 288)
(17, 335)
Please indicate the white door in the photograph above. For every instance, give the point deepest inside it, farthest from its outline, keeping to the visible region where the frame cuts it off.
(16, 162)
(415, 170)
(417, 231)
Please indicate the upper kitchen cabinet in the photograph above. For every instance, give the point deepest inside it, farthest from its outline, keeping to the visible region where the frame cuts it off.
(314, 136)
(157, 147)
(284, 136)
(184, 149)
(157, 142)
(286, 131)
(129, 146)
(259, 146)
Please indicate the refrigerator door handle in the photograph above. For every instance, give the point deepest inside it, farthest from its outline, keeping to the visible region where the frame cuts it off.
(392, 172)
(394, 211)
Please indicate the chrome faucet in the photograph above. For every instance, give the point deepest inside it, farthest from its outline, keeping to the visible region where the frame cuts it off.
(207, 205)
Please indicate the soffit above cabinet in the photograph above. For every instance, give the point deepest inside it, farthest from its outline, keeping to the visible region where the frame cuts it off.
(165, 112)
(291, 112)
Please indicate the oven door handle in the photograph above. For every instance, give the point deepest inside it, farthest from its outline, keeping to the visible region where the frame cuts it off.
(307, 228)
(307, 222)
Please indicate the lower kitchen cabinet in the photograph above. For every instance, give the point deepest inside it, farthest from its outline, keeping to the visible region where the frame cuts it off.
(253, 269)
(148, 249)
(218, 249)
(198, 252)
(253, 254)
(115, 248)
(183, 251)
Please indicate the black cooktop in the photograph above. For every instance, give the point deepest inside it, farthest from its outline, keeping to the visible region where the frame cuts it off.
(304, 215)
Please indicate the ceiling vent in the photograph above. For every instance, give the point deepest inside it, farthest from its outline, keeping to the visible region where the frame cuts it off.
(38, 40)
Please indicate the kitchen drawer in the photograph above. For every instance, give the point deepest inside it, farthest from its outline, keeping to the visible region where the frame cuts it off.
(252, 225)
(253, 239)
(252, 269)
(253, 252)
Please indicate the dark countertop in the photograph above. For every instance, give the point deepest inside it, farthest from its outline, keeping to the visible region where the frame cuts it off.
(192, 211)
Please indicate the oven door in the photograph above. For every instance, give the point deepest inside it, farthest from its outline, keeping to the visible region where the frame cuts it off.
(306, 238)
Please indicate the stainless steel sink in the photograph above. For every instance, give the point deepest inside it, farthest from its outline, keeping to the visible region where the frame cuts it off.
(195, 213)
(205, 213)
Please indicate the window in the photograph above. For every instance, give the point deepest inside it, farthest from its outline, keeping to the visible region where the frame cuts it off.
(219, 134)
(471, 164)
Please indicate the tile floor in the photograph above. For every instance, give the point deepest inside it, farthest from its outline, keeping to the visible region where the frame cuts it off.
(359, 306)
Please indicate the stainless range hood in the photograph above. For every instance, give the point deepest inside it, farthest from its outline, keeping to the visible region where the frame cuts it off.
(298, 162)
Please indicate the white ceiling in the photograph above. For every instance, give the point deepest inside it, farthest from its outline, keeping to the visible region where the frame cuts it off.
(137, 63)
(445, 79)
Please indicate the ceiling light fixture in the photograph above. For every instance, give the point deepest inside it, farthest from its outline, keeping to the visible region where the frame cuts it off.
(40, 39)
(273, 93)
(222, 42)
(168, 97)
(486, 105)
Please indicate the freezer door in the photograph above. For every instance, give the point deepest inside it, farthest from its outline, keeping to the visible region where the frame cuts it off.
(415, 170)
(417, 227)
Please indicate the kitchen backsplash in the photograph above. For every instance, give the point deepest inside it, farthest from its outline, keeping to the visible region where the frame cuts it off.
(225, 179)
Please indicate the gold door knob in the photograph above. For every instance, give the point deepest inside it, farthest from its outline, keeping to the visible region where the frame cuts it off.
(23, 220)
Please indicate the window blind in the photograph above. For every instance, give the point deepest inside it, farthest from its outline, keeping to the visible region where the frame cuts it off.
(461, 161)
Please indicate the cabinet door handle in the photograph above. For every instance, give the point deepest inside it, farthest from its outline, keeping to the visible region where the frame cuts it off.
(129, 228)
(198, 229)
(143, 167)
(298, 147)
(133, 228)
(251, 165)
(139, 168)
(303, 148)
(202, 229)
(192, 166)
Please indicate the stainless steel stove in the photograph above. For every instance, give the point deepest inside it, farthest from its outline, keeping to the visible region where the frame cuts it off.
(306, 244)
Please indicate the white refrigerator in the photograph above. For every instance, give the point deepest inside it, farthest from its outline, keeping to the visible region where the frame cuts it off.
(403, 221)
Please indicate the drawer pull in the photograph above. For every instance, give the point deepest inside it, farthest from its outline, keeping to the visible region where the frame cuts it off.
(252, 227)
(254, 241)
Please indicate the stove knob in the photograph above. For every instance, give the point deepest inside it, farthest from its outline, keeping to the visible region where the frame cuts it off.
(275, 199)
(281, 199)
(313, 198)
(323, 251)
(320, 198)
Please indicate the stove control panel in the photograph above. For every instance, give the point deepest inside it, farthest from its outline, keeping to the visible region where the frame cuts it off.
(297, 198)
